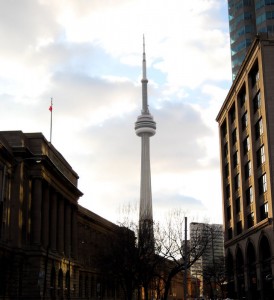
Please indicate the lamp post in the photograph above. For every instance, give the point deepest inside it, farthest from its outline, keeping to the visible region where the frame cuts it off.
(185, 262)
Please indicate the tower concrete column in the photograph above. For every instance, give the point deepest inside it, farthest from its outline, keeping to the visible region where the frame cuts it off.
(145, 190)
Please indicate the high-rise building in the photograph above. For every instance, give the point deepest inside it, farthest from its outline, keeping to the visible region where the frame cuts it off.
(145, 127)
(246, 128)
(247, 18)
(212, 256)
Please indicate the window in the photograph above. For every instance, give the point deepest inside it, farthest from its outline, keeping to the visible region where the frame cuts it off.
(259, 128)
(260, 156)
(238, 205)
(262, 184)
(264, 211)
(246, 145)
(254, 74)
(227, 191)
(239, 227)
(242, 96)
(234, 136)
(229, 233)
(67, 283)
(226, 170)
(86, 287)
(232, 114)
(225, 149)
(249, 195)
(228, 212)
(235, 159)
(60, 282)
(248, 169)
(80, 286)
(250, 220)
(237, 182)
(224, 129)
(257, 102)
(244, 121)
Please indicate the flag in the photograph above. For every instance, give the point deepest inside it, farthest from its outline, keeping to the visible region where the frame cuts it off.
(50, 108)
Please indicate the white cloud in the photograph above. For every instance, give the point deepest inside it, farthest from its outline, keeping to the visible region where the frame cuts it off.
(87, 55)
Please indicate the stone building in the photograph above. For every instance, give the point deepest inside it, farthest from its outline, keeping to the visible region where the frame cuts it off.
(46, 239)
(246, 128)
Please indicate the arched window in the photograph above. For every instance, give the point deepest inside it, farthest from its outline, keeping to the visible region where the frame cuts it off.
(92, 293)
(60, 283)
(86, 286)
(80, 286)
(240, 273)
(67, 283)
(251, 265)
(266, 273)
(52, 283)
(230, 275)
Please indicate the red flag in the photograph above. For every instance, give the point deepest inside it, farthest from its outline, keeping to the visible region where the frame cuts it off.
(50, 108)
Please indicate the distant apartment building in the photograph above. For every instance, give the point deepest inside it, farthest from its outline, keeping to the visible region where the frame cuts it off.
(247, 18)
(212, 235)
(246, 128)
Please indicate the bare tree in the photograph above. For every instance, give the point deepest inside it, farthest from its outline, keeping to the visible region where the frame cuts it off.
(214, 277)
(120, 260)
(136, 264)
(171, 244)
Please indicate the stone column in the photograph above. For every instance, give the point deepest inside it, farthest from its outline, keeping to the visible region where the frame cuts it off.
(53, 221)
(45, 217)
(14, 233)
(36, 203)
(68, 228)
(60, 225)
(74, 234)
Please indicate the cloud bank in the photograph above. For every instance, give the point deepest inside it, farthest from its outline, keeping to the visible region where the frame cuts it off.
(87, 55)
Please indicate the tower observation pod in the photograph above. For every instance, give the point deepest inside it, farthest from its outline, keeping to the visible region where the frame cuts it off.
(145, 127)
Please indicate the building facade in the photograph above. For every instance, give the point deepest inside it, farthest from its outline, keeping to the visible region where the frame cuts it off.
(212, 256)
(48, 243)
(246, 128)
(247, 18)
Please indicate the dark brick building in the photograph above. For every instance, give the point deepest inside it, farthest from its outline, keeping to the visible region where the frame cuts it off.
(47, 241)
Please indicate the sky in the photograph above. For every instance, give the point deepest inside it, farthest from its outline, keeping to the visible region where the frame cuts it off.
(87, 56)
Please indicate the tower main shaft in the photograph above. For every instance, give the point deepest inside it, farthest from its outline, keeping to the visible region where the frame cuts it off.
(145, 127)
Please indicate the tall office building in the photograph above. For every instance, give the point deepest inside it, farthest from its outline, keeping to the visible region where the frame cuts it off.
(246, 128)
(212, 256)
(247, 18)
(145, 127)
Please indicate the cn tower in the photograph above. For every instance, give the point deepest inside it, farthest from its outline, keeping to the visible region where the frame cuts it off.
(145, 127)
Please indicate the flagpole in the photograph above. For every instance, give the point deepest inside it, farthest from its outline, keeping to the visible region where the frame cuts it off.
(50, 108)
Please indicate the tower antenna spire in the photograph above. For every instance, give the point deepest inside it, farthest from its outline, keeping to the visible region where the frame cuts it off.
(144, 82)
(144, 59)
